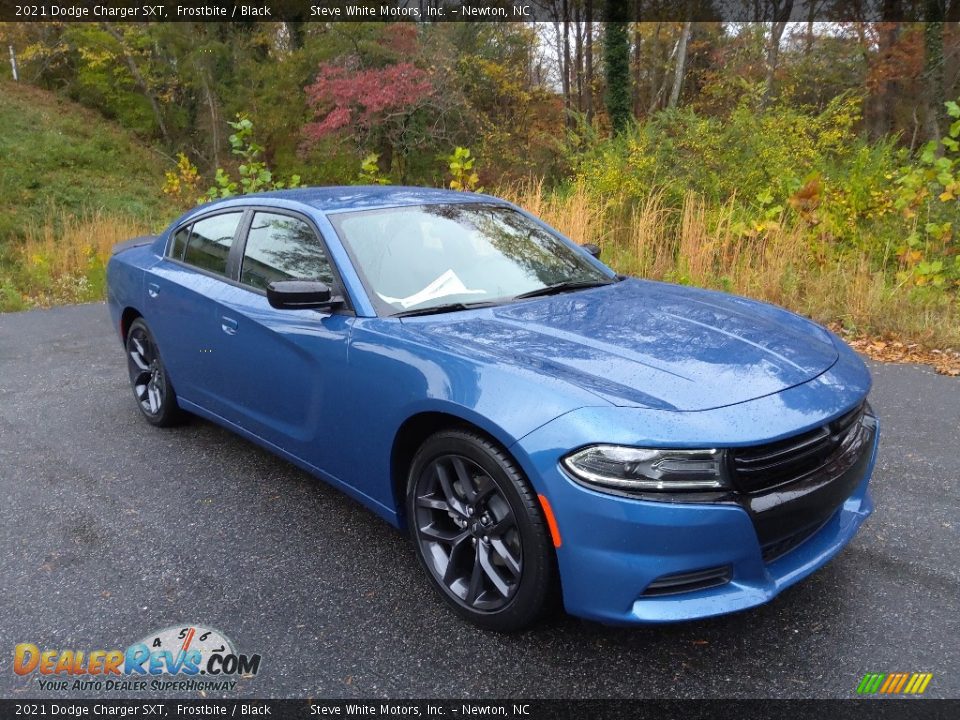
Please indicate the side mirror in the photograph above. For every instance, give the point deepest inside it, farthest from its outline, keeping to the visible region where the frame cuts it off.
(301, 295)
(592, 249)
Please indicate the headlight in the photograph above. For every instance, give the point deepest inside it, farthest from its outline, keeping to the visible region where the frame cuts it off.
(646, 470)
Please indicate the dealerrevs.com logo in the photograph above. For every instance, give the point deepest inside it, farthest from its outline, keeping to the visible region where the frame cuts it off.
(182, 658)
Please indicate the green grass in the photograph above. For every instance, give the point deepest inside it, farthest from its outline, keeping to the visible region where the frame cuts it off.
(58, 158)
(71, 184)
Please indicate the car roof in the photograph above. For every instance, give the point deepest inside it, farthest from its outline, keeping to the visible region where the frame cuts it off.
(359, 197)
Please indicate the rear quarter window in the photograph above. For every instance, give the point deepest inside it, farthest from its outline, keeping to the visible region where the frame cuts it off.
(179, 242)
(208, 247)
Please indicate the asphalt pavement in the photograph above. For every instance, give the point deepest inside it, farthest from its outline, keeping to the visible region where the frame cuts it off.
(111, 529)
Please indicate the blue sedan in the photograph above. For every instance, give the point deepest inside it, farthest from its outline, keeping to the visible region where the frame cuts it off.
(538, 423)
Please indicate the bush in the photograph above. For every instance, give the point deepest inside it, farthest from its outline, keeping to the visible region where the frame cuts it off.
(791, 207)
(782, 168)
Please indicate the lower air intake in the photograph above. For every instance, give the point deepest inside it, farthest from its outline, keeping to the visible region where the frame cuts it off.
(689, 581)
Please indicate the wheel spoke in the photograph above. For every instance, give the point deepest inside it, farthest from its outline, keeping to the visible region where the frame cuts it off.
(485, 489)
(451, 573)
(434, 503)
(483, 555)
(142, 378)
(154, 396)
(469, 491)
(502, 525)
(141, 347)
(448, 537)
(476, 580)
(151, 349)
(138, 361)
(512, 563)
(444, 479)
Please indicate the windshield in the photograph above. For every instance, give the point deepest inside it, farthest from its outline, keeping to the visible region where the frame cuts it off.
(431, 256)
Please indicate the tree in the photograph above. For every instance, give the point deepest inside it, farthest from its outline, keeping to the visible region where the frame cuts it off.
(933, 67)
(589, 62)
(141, 81)
(379, 105)
(681, 63)
(616, 60)
(566, 59)
(781, 16)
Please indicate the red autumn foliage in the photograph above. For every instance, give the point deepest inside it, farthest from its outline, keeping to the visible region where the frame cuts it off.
(342, 97)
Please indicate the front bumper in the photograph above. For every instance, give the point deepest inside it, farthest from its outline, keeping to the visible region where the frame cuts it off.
(613, 548)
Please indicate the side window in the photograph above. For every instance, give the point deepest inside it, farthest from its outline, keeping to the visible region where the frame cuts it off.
(210, 241)
(180, 242)
(280, 247)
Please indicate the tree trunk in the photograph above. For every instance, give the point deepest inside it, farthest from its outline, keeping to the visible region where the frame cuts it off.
(885, 93)
(933, 61)
(213, 108)
(295, 31)
(384, 156)
(616, 58)
(655, 70)
(566, 62)
(589, 71)
(813, 7)
(558, 39)
(13, 64)
(139, 79)
(665, 81)
(781, 15)
(680, 65)
(578, 55)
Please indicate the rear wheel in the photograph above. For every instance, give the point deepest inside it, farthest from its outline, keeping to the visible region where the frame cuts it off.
(148, 377)
(478, 531)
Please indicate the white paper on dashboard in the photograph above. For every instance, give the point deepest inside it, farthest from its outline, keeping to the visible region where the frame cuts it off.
(446, 284)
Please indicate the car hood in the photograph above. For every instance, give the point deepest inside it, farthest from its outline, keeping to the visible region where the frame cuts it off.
(644, 344)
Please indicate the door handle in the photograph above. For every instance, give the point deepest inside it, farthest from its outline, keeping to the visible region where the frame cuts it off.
(153, 289)
(228, 325)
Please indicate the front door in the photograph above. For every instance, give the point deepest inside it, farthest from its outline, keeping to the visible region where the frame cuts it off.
(281, 370)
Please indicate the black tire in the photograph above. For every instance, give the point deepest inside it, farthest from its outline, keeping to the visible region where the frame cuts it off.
(478, 531)
(151, 385)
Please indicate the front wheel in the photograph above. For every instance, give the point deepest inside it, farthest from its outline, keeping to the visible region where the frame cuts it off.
(148, 377)
(478, 531)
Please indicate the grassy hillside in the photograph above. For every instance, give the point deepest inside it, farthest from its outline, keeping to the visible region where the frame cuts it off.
(58, 158)
(71, 185)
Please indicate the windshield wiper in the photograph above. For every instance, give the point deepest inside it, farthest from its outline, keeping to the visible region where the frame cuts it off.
(558, 288)
(449, 307)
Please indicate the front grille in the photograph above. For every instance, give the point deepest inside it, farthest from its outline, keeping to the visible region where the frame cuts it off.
(764, 467)
(777, 549)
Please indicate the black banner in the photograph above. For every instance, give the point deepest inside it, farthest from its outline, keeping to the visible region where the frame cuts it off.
(473, 10)
(892, 709)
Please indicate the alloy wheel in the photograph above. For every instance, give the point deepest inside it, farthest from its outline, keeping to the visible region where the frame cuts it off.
(146, 372)
(468, 533)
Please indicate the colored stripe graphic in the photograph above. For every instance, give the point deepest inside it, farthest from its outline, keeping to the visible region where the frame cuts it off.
(894, 683)
(888, 683)
(901, 681)
(870, 683)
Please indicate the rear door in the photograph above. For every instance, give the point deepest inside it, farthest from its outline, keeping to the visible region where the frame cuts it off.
(181, 306)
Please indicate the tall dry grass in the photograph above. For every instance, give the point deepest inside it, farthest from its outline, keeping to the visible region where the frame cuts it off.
(67, 243)
(775, 261)
(63, 260)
